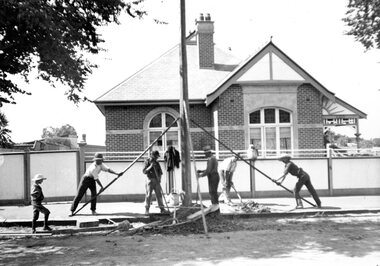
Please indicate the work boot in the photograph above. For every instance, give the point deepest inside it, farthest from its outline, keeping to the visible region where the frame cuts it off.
(94, 213)
(146, 211)
(47, 228)
(34, 231)
(163, 211)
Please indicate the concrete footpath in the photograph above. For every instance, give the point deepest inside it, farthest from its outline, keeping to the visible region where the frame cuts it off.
(134, 211)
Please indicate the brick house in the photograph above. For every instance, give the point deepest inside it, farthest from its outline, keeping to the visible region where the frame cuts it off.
(267, 100)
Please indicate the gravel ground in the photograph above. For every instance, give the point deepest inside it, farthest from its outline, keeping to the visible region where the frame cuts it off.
(316, 240)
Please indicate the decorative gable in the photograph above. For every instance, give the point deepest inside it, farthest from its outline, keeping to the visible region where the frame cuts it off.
(270, 68)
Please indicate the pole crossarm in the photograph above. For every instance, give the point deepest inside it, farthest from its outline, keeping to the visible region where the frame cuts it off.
(129, 166)
(247, 162)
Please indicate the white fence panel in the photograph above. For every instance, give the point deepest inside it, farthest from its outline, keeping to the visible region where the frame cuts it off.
(60, 169)
(11, 177)
(351, 173)
(316, 168)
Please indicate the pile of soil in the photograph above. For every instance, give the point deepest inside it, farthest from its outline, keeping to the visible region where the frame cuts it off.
(215, 223)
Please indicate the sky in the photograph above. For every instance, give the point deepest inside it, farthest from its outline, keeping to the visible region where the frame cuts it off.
(309, 32)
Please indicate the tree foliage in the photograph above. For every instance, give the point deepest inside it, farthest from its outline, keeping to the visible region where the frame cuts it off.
(63, 131)
(363, 18)
(53, 37)
(5, 139)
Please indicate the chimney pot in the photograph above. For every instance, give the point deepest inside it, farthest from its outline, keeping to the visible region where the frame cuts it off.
(201, 17)
(208, 17)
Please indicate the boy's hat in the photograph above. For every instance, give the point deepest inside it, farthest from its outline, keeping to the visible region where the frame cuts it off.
(98, 156)
(38, 177)
(156, 154)
(284, 156)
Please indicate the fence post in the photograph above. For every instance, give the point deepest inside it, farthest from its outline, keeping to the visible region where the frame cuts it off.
(27, 178)
(253, 179)
(330, 171)
(82, 157)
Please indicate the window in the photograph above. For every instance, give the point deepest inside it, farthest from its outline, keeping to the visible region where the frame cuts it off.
(158, 124)
(270, 130)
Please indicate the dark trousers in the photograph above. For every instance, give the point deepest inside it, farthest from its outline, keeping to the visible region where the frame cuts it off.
(85, 183)
(304, 179)
(151, 185)
(213, 182)
(36, 213)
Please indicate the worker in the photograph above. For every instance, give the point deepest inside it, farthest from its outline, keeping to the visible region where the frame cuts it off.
(226, 171)
(303, 179)
(213, 177)
(88, 181)
(37, 198)
(153, 172)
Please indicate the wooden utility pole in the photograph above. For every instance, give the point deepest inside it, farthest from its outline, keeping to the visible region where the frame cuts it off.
(184, 103)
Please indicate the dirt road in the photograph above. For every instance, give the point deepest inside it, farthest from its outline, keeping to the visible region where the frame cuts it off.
(332, 240)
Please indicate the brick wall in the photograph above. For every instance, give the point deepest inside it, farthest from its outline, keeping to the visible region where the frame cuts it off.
(231, 107)
(310, 138)
(124, 142)
(126, 117)
(231, 113)
(309, 105)
(201, 114)
(132, 118)
(234, 139)
(309, 113)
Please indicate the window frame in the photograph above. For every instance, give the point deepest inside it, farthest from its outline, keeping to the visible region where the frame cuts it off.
(149, 130)
(264, 127)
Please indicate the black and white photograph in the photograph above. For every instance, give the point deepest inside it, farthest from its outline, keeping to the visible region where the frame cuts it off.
(190, 132)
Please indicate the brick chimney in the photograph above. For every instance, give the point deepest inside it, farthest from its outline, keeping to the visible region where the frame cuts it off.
(205, 28)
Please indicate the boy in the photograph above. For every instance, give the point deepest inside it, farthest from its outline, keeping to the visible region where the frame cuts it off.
(37, 198)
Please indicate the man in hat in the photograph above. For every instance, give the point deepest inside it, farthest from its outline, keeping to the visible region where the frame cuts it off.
(37, 198)
(88, 181)
(303, 179)
(226, 171)
(213, 177)
(153, 172)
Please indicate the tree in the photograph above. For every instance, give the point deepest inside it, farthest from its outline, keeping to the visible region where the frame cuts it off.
(53, 37)
(363, 18)
(5, 139)
(60, 132)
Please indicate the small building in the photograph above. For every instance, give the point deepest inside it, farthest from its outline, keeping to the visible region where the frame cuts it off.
(267, 100)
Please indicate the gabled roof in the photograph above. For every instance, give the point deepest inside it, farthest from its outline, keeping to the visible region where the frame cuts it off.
(269, 64)
(160, 80)
(272, 66)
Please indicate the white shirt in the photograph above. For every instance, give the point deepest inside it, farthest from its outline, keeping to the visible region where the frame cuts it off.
(94, 170)
(228, 164)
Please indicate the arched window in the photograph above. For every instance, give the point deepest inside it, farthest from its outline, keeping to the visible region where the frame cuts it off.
(270, 130)
(158, 124)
